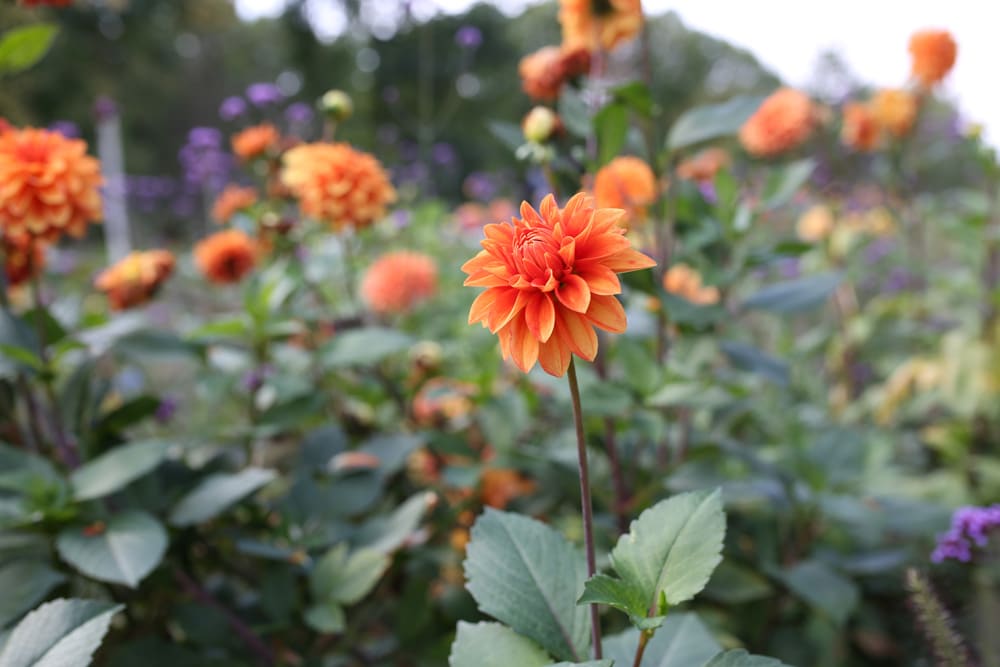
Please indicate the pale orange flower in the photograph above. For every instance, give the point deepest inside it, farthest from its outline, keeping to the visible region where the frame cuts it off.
(232, 200)
(442, 400)
(627, 183)
(471, 215)
(551, 278)
(783, 122)
(23, 257)
(544, 72)
(499, 486)
(895, 110)
(48, 185)
(338, 184)
(397, 281)
(704, 166)
(135, 279)
(685, 282)
(815, 224)
(501, 209)
(861, 129)
(255, 141)
(598, 24)
(227, 256)
(933, 53)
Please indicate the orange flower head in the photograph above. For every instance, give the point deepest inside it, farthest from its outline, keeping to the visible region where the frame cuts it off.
(895, 110)
(598, 24)
(397, 281)
(255, 141)
(933, 53)
(23, 257)
(685, 282)
(227, 256)
(861, 129)
(231, 201)
(815, 224)
(5, 126)
(551, 277)
(135, 279)
(48, 185)
(338, 184)
(499, 486)
(704, 166)
(627, 183)
(545, 71)
(783, 121)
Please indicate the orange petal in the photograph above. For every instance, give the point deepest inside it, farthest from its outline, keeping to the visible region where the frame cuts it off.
(549, 209)
(607, 313)
(485, 279)
(627, 260)
(540, 316)
(482, 305)
(574, 293)
(577, 332)
(554, 355)
(523, 346)
(600, 278)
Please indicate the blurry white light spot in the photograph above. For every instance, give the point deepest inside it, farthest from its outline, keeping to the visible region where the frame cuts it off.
(367, 60)
(290, 83)
(468, 85)
(187, 45)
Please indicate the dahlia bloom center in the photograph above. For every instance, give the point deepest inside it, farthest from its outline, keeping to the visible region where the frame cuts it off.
(540, 259)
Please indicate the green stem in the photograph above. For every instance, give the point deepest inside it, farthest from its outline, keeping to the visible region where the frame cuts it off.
(585, 502)
(349, 282)
(644, 637)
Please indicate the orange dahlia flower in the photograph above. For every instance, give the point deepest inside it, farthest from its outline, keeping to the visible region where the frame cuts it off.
(933, 53)
(895, 110)
(225, 257)
(627, 183)
(338, 184)
(704, 166)
(48, 185)
(551, 277)
(231, 201)
(255, 141)
(783, 121)
(598, 24)
(861, 130)
(5, 126)
(135, 279)
(397, 281)
(23, 257)
(545, 71)
(815, 224)
(683, 281)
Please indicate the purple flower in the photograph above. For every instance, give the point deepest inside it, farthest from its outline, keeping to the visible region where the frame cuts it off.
(205, 137)
(878, 250)
(299, 113)
(468, 37)
(402, 218)
(166, 410)
(67, 128)
(264, 94)
(444, 154)
(232, 108)
(480, 185)
(205, 164)
(970, 527)
(707, 189)
(254, 379)
(105, 108)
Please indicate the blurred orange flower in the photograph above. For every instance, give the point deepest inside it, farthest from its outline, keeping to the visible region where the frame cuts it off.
(255, 141)
(48, 185)
(545, 71)
(551, 278)
(23, 257)
(501, 209)
(338, 184)
(135, 279)
(933, 53)
(441, 400)
(231, 201)
(471, 215)
(704, 166)
(499, 486)
(783, 121)
(627, 183)
(5, 126)
(598, 24)
(861, 130)
(815, 224)
(397, 281)
(227, 256)
(685, 282)
(895, 110)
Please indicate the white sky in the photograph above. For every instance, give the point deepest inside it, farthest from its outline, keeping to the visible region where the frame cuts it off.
(788, 35)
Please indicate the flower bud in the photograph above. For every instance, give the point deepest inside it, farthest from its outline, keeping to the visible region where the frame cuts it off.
(540, 124)
(336, 105)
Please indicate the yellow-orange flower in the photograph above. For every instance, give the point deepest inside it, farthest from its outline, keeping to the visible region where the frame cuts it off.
(598, 24)
(232, 200)
(23, 257)
(255, 141)
(627, 183)
(551, 277)
(544, 71)
(135, 279)
(933, 53)
(48, 185)
(683, 281)
(397, 281)
(861, 129)
(227, 256)
(815, 224)
(783, 121)
(704, 166)
(896, 110)
(338, 184)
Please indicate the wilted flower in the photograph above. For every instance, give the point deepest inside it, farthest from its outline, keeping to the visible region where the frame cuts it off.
(627, 183)
(685, 282)
(23, 257)
(48, 185)
(551, 278)
(815, 224)
(233, 199)
(135, 279)
(544, 72)
(232, 108)
(227, 256)
(861, 130)
(255, 141)
(933, 53)
(783, 121)
(397, 281)
(598, 24)
(704, 166)
(896, 110)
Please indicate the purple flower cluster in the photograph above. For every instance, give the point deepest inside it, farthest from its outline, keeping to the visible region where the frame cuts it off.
(232, 108)
(67, 128)
(469, 37)
(205, 163)
(264, 94)
(970, 526)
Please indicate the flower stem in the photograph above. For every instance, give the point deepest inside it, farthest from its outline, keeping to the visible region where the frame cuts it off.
(641, 648)
(585, 503)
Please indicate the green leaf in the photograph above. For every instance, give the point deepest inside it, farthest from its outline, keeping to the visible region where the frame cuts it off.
(509, 134)
(494, 645)
(712, 121)
(327, 617)
(24, 583)
(364, 347)
(574, 113)
(233, 327)
(793, 296)
(625, 596)
(61, 633)
(527, 575)
(20, 48)
(737, 584)
(673, 547)
(146, 344)
(749, 358)
(611, 128)
(385, 534)
(128, 548)
(346, 578)
(823, 588)
(682, 641)
(216, 493)
(691, 394)
(637, 96)
(740, 658)
(115, 469)
(23, 356)
(785, 182)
